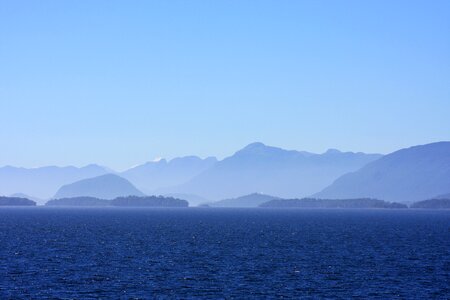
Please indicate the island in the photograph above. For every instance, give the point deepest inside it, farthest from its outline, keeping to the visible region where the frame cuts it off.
(130, 201)
(16, 201)
(149, 201)
(432, 204)
(78, 201)
(331, 203)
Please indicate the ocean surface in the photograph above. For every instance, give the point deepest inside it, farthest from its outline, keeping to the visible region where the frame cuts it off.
(113, 253)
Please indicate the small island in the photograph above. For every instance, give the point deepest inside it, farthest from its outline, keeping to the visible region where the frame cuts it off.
(149, 201)
(432, 204)
(16, 201)
(331, 203)
(130, 201)
(78, 201)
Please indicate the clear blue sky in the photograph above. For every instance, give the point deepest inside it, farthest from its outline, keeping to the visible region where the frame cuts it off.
(121, 82)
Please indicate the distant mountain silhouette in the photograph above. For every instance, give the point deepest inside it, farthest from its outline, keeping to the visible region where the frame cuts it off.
(16, 201)
(252, 200)
(154, 175)
(272, 170)
(107, 186)
(331, 203)
(43, 182)
(407, 175)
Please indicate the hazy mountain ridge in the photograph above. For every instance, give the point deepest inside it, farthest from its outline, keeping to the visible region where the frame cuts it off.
(406, 175)
(159, 174)
(271, 170)
(43, 182)
(107, 186)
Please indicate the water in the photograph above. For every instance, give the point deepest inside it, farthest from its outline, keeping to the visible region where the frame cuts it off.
(223, 253)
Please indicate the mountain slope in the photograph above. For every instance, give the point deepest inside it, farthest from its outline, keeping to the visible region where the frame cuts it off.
(107, 186)
(43, 182)
(271, 170)
(407, 175)
(163, 173)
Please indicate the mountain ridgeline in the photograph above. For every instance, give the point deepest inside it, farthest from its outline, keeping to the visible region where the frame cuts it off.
(107, 186)
(272, 171)
(45, 181)
(406, 176)
(161, 174)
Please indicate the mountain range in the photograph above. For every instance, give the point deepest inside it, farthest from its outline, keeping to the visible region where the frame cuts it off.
(45, 181)
(160, 174)
(407, 175)
(255, 168)
(271, 170)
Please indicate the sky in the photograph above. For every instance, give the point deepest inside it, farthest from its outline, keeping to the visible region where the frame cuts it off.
(119, 83)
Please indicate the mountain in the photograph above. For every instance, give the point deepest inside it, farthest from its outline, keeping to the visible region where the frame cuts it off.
(160, 174)
(331, 203)
(407, 175)
(43, 182)
(271, 170)
(107, 186)
(252, 200)
(16, 201)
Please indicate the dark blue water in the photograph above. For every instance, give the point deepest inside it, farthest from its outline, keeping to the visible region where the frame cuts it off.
(223, 253)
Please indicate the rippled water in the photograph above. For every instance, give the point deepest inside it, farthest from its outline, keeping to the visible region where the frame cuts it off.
(223, 253)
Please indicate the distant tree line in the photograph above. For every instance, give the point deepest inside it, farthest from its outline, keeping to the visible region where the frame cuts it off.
(130, 201)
